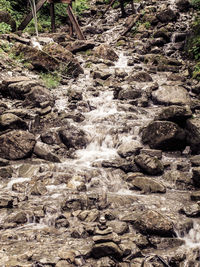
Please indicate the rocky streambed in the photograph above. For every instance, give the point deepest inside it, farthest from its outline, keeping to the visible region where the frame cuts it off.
(104, 169)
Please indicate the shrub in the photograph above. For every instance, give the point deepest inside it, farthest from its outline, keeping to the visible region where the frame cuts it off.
(5, 28)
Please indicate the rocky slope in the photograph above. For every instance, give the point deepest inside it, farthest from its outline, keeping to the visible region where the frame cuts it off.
(103, 170)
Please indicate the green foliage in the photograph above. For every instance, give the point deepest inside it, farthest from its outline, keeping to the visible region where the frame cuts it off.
(50, 80)
(196, 4)
(79, 6)
(196, 72)
(4, 28)
(10, 6)
(147, 25)
(195, 48)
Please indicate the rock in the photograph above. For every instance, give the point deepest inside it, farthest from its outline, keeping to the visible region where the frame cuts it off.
(125, 165)
(193, 134)
(106, 249)
(141, 76)
(16, 144)
(152, 152)
(19, 218)
(177, 114)
(61, 221)
(39, 95)
(147, 185)
(6, 82)
(75, 96)
(4, 162)
(70, 64)
(129, 93)
(43, 151)
(63, 263)
(171, 95)
(195, 160)
(166, 16)
(151, 222)
(11, 121)
(150, 165)
(191, 210)
(179, 37)
(50, 137)
(106, 52)
(128, 149)
(38, 189)
(18, 90)
(164, 135)
(183, 5)
(6, 172)
(195, 196)
(6, 201)
(72, 203)
(119, 227)
(6, 18)
(196, 176)
(73, 137)
(80, 45)
(178, 179)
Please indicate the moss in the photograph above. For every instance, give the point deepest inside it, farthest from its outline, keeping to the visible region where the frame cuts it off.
(50, 80)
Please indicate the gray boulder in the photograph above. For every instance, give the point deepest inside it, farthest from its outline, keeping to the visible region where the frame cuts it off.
(11, 121)
(43, 151)
(171, 95)
(164, 135)
(128, 149)
(149, 165)
(16, 144)
(193, 134)
(166, 16)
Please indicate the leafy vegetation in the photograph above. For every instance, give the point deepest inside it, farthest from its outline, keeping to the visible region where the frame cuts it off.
(196, 4)
(50, 80)
(4, 28)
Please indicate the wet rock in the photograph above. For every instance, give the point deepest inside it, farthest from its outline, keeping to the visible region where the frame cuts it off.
(43, 151)
(171, 95)
(4, 162)
(195, 196)
(164, 135)
(6, 18)
(119, 227)
(11, 121)
(80, 45)
(18, 218)
(147, 185)
(20, 187)
(166, 16)
(191, 210)
(129, 93)
(153, 223)
(179, 37)
(152, 152)
(79, 232)
(64, 263)
(125, 165)
(196, 176)
(193, 134)
(89, 215)
(183, 5)
(177, 114)
(141, 77)
(98, 74)
(106, 249)
(180, 180)
(38, 189)
(106, 262)
(61, 221)
(6, 172)
(106, 52)
(150, 165)
(75, 96)
(16, 144)
(38, 96)
(128, 149)
(6, 201)
(66, 57)
(50, 137)
(195, 160)
(19, 89)
(73, 203)
(73, 137)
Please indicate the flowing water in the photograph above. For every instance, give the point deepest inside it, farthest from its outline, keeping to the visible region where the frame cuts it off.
(34, 12)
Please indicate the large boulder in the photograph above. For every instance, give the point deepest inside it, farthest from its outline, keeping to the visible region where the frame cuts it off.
(183, 5)
(6, 18)
(128, 149)
(141, 76)
(106, 249)
(166, 16)
(106, 52)
(149, 165)
(164, 135)
(129, 93)
(43, 151)
(65, 57)
(171, 95)
(11, 121)
(177, 114)
(193, 134)
(73, 137)
(151, 222)
(16, 144)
